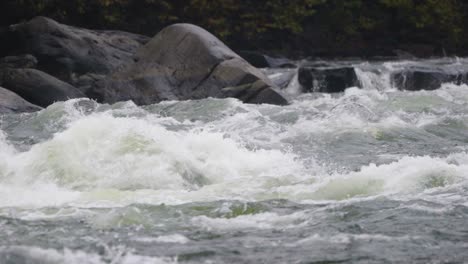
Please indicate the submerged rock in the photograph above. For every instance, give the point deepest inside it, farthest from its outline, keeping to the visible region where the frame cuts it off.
(327, 79)
(183, 62)
(64, 50)
(11, 103)
(37, 87)
(426, 79)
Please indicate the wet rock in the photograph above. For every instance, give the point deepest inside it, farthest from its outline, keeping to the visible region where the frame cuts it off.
(183, 62)
(255, 59)
(90, 84)
(21, 61)
(11, 103)
(327, 79)
(260, 60)
(64, 50)
(37, 87)
(254, 93)
(426, 79)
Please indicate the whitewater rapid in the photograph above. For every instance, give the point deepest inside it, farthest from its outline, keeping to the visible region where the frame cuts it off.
(191, 174)
(133, 155)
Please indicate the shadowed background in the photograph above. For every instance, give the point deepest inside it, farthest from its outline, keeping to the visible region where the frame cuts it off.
(328, 28)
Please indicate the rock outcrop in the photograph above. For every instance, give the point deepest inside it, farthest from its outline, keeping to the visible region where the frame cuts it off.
(11, 103)
(64, 51)
(327, 79)
(427, 79)
(183, 62)
(37, 87)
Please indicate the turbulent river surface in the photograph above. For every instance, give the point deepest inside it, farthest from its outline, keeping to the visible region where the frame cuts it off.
(371, 175)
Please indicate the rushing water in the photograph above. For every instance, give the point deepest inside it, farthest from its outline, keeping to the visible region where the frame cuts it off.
(370, 175)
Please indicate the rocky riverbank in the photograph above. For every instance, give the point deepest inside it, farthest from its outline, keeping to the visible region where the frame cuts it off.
(50, 62)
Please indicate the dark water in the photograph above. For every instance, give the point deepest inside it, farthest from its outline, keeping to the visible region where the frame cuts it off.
(371, 175)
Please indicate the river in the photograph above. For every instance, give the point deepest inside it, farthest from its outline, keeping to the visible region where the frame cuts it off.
(370, 175)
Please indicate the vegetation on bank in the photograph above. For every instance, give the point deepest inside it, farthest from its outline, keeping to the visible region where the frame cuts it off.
(301, 27)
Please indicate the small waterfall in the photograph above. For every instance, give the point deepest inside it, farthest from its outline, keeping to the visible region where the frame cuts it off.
(415, 75)
(375, 78)
(294, 88)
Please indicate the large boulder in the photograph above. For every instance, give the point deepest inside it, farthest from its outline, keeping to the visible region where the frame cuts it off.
(427, 79)
(37, 87)
(64, 51)
(183, 62)
(11, 103)
(326, 79)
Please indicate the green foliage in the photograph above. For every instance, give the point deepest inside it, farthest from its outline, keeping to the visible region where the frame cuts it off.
(336, 24)
(432, 24)
(434, 15)
(250, 18)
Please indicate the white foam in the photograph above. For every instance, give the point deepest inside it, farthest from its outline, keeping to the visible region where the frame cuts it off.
(376, 79)
(407, 175)
(53, 256)
(174, 238)
(255, 221)
(35, 195)
(99, 152)
(6, 152)
(142, 162)
(108, 158)
(294, 88)
(349, 238)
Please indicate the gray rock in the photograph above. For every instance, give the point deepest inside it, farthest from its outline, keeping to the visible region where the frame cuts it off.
(64, 50)
(260, 60)
(11, 103)
(254, 93)
(37, 87)
(327, 79)
(427, 79)
(21, 61)
(89, 85)
(184, 61)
